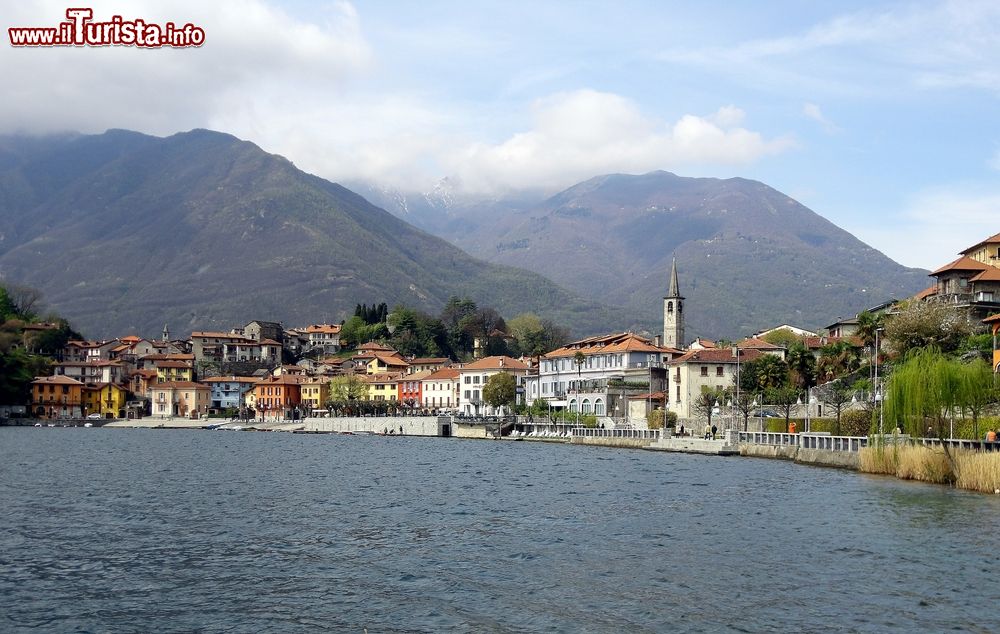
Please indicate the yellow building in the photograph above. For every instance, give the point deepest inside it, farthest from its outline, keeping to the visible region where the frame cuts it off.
(106, 399)
(382, 387)
(384, 363)
(56, 397)
(315, 392)
(172, 371)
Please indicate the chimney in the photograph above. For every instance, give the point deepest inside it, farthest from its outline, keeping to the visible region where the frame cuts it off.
(657, 341)
(736, 352)
(501, 362)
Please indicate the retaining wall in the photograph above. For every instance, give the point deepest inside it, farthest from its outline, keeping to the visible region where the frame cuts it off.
(819, 457)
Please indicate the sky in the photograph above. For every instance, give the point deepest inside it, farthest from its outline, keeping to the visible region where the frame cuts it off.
(879, 116)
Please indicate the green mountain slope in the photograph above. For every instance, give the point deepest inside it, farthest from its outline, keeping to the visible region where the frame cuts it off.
(749, 256)
(125, 232)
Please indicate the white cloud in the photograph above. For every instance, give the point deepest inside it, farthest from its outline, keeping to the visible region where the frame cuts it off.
(812, 111)
(927, 45)
(579, 134)
(250, 48)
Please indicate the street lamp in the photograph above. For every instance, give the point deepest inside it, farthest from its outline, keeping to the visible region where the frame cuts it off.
(878, 391)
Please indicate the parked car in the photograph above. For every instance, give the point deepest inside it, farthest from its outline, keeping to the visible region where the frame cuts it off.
(765, 413)
(95, 416)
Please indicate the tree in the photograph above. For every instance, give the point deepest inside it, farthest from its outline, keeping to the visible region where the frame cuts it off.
(976, 390)
(500, 390)
(782, 337)
(802, 366)
(22, 300)
(533, 336)
(783, 397)
(868, 325)
(771, 371)
(707, 401)
(837, 359)
(926, 324)
(837, 395)
(347, 387)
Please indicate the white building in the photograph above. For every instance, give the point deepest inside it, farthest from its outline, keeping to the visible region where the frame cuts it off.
(441, 390)
(611, 368)
(474, 376)
(714, 368)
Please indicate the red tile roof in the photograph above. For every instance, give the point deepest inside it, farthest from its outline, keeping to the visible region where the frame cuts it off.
(993, 239)
(717, 355)
(753, 343)
(444, 374)
(927, 292)
(330, 329)
(56, 380)
(992, 319)
(607, 344)
(961, 264)
(179, 385)
(496, 363)
(989, 275)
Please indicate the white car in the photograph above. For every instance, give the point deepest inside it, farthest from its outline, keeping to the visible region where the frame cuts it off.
(94, 416)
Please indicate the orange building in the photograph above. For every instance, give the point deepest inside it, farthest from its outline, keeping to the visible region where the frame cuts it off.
(994, 321)
(279, 396)
(56, 397)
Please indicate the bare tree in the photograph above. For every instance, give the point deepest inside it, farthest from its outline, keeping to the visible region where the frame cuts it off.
(24, 299)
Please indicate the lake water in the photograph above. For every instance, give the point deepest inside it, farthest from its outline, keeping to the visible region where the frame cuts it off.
(165, 530)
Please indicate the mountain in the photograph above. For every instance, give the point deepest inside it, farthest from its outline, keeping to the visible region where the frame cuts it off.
(124, 232)
(749, 256)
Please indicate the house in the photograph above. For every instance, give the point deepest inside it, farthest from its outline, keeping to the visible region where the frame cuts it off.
(610, 368)
(279, 396)
(972, 282)
(440, 389)
(701, 344)
(56, 397)
(410, 388)
(842, 328)
(107, 399)
(92, 371)
(420, 364)
(713, 369)
(168, 371)
(211, 346)
(315, 393)
(383, 363)
(382, 387)
(815, 345)
(149, 361)
(795, 330)
(180, 398)
(228, 392)
(83, 351)
(140, 381)
(261, 330)
(473, 377)
(265, 351)
(767, 347)
(323, 337)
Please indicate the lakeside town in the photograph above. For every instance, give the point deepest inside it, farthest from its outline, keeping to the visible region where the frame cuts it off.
(783, 379)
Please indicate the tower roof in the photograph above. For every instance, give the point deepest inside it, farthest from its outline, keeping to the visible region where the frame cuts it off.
(674, 285)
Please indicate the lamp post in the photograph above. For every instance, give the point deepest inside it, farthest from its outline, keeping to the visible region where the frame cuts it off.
(878, 392)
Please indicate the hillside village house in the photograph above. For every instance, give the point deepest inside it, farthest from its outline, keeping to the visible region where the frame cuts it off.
(107, 399)
(613, 367)
(433, 364)
(56, 397)
(279, 397)
(473, 376)
(180, 398)
(324, 337)
(712, 368)
(410, 387)
(972, 282)
(382, 387)
(227, 392)
(440, 390)
(261, 330)
(92, 371)
(315, 392)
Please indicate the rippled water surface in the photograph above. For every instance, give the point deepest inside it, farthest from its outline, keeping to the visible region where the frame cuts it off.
(168, 530)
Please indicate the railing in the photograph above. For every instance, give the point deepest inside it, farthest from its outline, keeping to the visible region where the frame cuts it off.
(804, 441)
(959, 443)
(597, 432)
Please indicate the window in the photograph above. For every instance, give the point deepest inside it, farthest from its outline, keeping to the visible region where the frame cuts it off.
(718, 371)
(704, 370)
(468, 380)
(678, 394)
(475, 379)
(466, 394)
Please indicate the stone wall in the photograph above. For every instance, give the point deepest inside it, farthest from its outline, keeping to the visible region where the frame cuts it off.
(818, 457)
(412, 425)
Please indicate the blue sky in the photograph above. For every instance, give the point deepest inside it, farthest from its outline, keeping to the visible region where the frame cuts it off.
(880, 116)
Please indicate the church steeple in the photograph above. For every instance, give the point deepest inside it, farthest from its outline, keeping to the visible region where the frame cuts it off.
(166, 333)
(673, 312)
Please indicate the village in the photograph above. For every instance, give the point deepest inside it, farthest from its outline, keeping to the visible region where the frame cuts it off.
(263, 371)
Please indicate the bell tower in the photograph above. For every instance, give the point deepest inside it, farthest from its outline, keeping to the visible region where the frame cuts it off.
(673, 312)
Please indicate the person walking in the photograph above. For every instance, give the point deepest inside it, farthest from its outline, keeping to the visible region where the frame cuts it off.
(715, 430)
(708, 431)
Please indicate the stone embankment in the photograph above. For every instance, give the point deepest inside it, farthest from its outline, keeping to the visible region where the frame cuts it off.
(818, 457)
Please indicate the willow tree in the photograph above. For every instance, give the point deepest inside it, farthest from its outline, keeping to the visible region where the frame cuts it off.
(977, 390)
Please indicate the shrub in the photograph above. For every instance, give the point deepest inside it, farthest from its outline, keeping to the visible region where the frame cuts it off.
(655, 418)
(856, 422)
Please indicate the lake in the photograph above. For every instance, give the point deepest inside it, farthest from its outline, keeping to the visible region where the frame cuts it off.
(167, 530)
